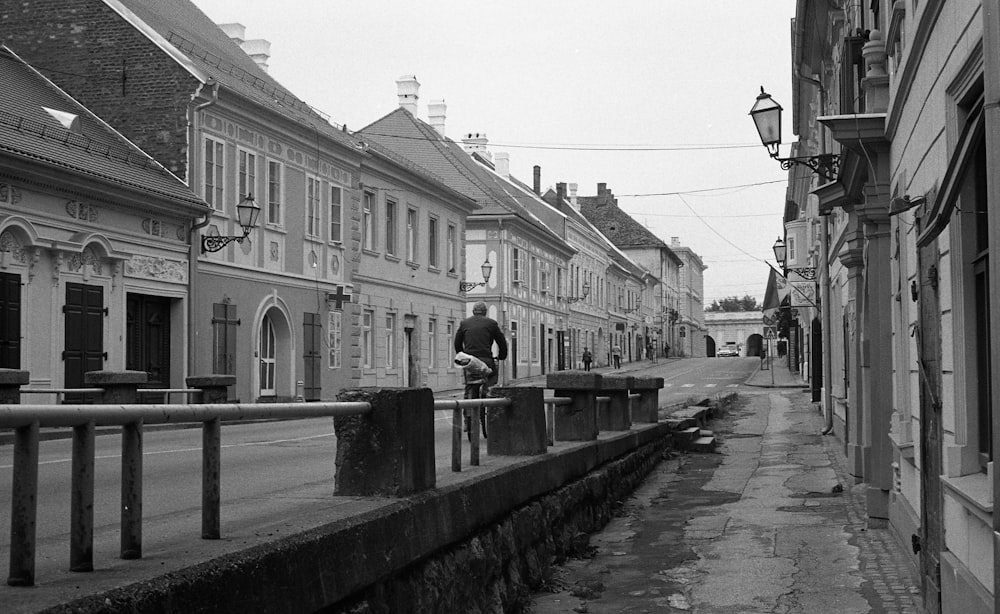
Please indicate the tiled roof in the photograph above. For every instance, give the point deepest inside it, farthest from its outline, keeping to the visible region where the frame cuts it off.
(188, 29)
(92, 148)
(603, 212)
(421, 143)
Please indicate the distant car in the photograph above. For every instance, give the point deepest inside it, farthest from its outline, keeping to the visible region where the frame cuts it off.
(727, 350)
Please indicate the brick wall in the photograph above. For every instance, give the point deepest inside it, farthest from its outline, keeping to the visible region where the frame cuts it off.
(113, 69)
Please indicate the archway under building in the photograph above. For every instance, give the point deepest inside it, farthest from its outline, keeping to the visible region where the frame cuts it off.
(755, 344)
(709, 346)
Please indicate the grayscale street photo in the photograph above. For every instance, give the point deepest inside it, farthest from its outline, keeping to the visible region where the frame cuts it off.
(572, 307)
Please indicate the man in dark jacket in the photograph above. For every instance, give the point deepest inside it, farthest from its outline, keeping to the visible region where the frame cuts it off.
(476, 336)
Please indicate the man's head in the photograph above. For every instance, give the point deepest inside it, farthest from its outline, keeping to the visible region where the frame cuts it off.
(479, 309)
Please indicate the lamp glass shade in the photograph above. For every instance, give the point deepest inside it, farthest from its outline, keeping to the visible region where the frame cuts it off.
(766, 114)
(487, 269)
(248, 212)
(779, 251)
(586, 289)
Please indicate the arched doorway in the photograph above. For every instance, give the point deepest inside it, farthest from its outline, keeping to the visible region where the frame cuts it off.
(709, 346)
(755, 343)
(275, 359)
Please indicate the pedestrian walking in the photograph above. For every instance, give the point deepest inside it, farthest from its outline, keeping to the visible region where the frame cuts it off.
(616, 356)
(651, 351)
(666, 350)
(587, 358)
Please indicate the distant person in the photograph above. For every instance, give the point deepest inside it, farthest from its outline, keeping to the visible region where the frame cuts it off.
(476, 336)
(587, 358)
(616, 356)
(651, 351)
(666, 350)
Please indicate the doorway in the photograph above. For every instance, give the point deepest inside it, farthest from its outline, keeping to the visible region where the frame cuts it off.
(147, 339)
(83, 335)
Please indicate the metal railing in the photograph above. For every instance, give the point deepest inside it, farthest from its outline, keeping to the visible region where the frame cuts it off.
(457, 407)
(27, 419)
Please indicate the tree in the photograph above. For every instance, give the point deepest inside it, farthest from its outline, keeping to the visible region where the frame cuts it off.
(733, 303)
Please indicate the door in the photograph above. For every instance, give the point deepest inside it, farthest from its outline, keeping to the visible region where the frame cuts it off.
(83, 318)
(10, 321)
(513, 350)
(412, 364)
(147, 339)
(312, 334)
(561, 344)
(266, 357)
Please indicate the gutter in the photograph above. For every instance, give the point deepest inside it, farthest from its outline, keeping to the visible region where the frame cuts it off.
(194, 247)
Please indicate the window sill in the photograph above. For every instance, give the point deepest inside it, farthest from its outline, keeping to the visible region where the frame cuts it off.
(370, 252)
(413, 265)
(336, 244)
(393, 258)
(975, 490)
(433, 269)
(278, 228)
(312, 239)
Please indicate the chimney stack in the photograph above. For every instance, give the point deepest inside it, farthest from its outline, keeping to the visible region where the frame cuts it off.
(538, 180)
(572, 196)
(675, 241)
(258, 49)
(476, 143)
(560, 192)
(501, 162)
(601, 199)
(408, 89)
(436, 111)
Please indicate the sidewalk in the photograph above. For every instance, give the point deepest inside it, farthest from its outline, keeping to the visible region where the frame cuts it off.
(776, 374)
(771, 523)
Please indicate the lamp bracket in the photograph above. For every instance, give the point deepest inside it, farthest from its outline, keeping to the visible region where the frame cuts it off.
(808, 273)
(465, 286)
(824, 165)
(213, 243)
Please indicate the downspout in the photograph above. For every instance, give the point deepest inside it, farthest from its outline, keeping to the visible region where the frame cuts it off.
(825, 284)
(194, 247)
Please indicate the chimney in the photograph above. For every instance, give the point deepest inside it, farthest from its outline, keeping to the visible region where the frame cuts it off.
(258, 49)
(675, 241)
(601, 199)
(476, 143)
(501, 161)
(408, 89)
(572, 196)
(560, 192)
(436, 111)
(538, 180)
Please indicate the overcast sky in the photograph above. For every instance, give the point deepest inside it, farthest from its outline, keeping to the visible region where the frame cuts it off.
(579, 87)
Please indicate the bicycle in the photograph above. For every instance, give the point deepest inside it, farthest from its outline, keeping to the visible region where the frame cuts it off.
(477, 386)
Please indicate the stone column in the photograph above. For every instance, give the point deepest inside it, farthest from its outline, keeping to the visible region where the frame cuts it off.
(517, 430)
(615, 416)
(214, 388)
(852, 257)
(648, 408)
(578, 420)
(120, 387)
(389, 450)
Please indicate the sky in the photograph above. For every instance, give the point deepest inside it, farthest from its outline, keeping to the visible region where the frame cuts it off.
(650, 97)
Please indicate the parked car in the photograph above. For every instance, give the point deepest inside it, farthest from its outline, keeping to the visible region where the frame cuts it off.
(727, 350)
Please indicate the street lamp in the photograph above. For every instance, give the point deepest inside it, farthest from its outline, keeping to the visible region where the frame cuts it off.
(486, 268)
(247, 213)
(573, 299)
(766, 115)
(780, 255)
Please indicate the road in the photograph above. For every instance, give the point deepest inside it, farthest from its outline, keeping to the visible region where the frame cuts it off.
(266, 469)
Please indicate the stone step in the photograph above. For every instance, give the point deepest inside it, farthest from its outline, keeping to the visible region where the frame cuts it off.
(706, 433)
(703, 444)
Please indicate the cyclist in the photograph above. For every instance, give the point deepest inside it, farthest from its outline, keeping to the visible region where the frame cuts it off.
(476, 336)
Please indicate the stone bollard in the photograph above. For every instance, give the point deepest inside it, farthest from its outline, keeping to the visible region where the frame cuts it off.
(214, 390)
(517, 430)
(24, 486)
(615, 416)
(120, 388)
(649, 402)
(389, 450)
(578, 420)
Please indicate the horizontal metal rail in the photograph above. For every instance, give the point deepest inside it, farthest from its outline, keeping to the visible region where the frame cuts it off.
(470, 403)
(550, 416)
(27, 419)
(457, 407)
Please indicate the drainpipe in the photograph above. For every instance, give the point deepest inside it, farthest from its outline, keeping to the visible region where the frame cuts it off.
(194, 247)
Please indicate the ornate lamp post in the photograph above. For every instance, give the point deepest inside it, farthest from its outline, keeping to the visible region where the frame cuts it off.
(766, 115)
(247, 213)
(486, 268)
(573, 299)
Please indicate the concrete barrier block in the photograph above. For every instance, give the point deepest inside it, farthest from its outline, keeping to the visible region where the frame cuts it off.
(573, 380)
(11, 381)
(119, 386)
(390, 450)
(617, 382)
(517, 430)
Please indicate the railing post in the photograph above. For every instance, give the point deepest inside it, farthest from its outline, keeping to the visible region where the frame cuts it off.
(649, 389)
(24, 486)
(578, 420)
(616, 417)
(518, 429)
(390, 449)
(120, 388)
(214, 389)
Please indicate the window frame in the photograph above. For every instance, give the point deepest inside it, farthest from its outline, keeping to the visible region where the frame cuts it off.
(336, 209)
(246, 160)
(451, 246)
(412, 233)
(275, 208)
(367, 338)
(313, 208)
(391, 227)
(214, 193)
(390, 341)
(369, 201)
(433, 251)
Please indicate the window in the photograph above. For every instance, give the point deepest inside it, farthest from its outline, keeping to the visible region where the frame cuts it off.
(367, 339)
(224, 323)
(452, 243)
(248, 174)
(368, 221)
(411, 235)
(214, 173)
(790, 256)
(975, 190)
(313, 191)
(515, 261)
(432, 343)
(533, 272)
(334, 331)
(274, 193)
(336, 214)
(390, 226)
(268, 360)
(10, 321)
(559, 282)
(432, 242)
(390, 340)
(544, 281)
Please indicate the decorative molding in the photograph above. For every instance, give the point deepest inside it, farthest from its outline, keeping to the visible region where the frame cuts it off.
(82, 211)
(157, 268)
(9, 194)
(9, 243)
(275, 251)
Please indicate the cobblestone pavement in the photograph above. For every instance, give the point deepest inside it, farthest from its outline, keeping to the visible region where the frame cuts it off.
(770, 524)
